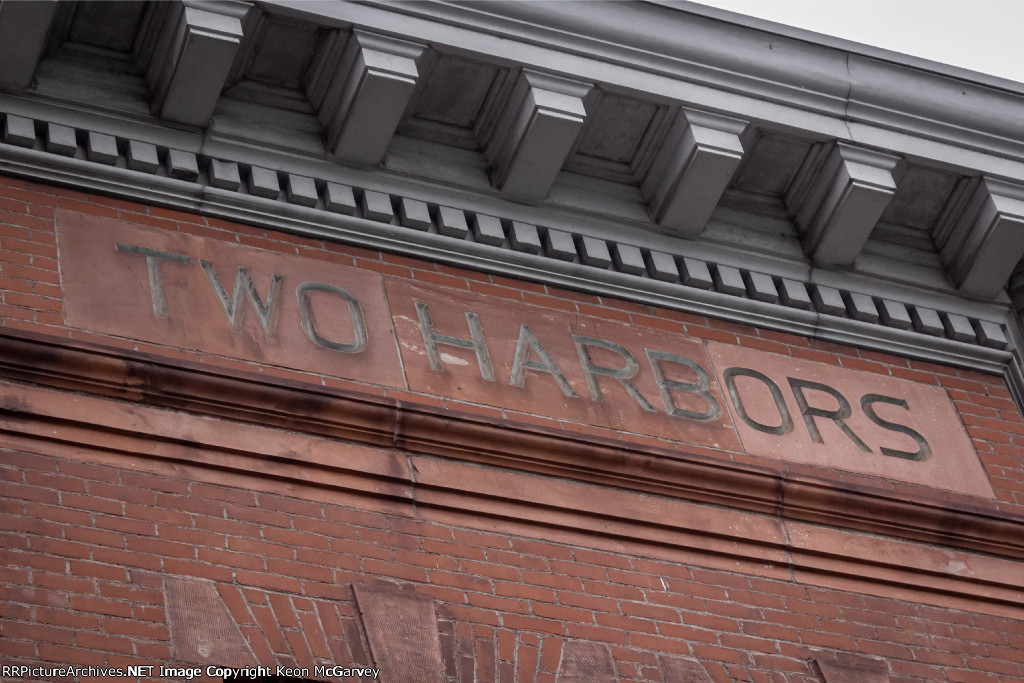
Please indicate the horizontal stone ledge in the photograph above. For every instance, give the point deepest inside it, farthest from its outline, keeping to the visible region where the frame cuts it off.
(915, 514)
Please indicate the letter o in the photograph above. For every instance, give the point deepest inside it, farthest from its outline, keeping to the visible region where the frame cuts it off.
(786, 422)
(302, 293)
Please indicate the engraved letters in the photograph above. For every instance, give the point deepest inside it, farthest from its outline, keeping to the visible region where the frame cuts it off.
(528, 342)
(359, 337)
(431, 339)
(267, 313)
(785, 421)
(701, 387)
(923, 448)
(623, 374)
(156, 282)
(608, 375)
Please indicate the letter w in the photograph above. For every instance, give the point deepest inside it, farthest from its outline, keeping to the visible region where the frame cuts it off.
(267, 314)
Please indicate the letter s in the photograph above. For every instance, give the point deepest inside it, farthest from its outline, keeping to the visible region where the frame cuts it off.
(924, 450)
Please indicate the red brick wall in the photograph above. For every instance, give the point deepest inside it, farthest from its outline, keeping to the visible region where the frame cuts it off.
(31, 301)
(85, 548)
(87, 540)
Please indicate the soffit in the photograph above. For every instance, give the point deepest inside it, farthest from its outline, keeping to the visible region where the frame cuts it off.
(111, 28)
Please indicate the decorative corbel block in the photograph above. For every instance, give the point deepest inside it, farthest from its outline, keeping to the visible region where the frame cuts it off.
(839, 204)
(693, 169)
(793, 293)
(194, 53)
(19, 131)
(525, 237)
(696, 273)
(628, 259)
(340, 199)
(987, 239)
(142, 157)
(101, 148)
(451, 222)
(23, 28)
(543, 116)
(367, 96)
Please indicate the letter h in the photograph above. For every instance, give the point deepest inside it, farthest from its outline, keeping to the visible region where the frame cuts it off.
(431, 339)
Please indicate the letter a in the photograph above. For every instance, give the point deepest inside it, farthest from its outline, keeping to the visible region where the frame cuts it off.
(527, 341)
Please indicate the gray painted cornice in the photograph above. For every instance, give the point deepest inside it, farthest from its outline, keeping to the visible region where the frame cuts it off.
(689, 222)
(684, 53)
(843, 44)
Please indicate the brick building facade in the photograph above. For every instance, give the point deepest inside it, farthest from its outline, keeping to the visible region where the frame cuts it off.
(557, 376)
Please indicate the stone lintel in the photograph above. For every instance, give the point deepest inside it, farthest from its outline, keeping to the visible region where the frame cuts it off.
(693, 169)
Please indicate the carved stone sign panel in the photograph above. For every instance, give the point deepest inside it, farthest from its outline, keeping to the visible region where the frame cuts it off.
(801, 411)
(226, 299)
(236, 301)
(557, 364)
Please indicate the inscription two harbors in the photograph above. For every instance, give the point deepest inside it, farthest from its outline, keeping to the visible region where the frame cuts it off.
(240, 302)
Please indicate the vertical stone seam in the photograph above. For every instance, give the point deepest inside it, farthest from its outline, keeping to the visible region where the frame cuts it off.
(790, 565)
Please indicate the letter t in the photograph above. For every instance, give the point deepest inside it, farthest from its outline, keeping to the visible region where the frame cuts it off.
(156, 282)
